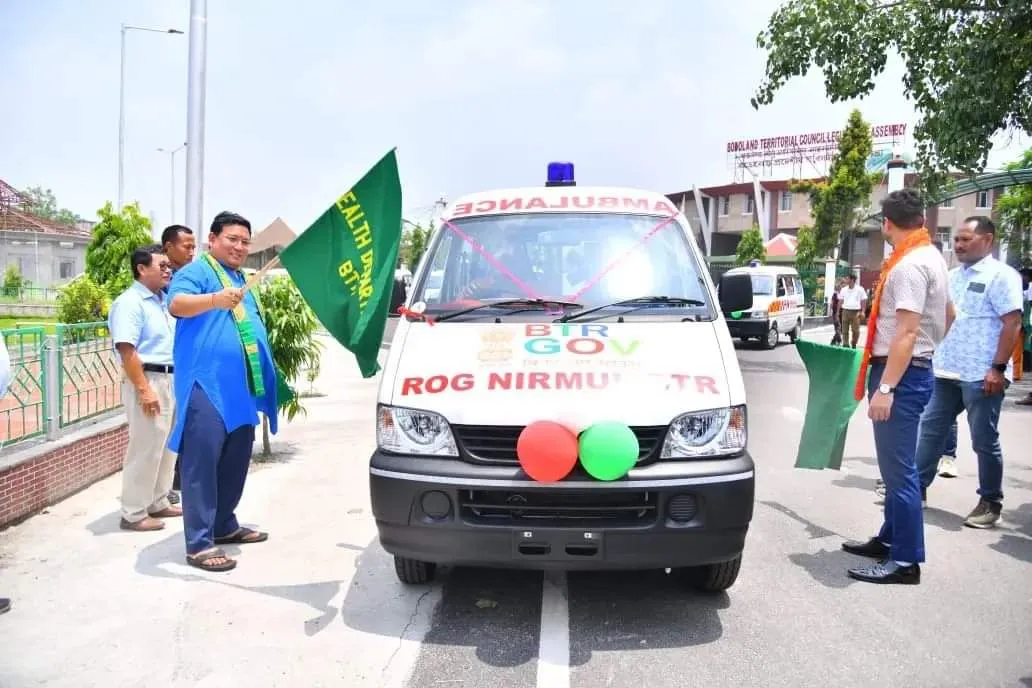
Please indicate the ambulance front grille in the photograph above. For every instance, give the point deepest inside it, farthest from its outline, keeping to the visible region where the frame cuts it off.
(496, 444)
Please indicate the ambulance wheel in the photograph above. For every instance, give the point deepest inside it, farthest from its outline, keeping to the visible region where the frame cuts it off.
(712, 577)
(412, 572)
(796, 331)
(772, 338)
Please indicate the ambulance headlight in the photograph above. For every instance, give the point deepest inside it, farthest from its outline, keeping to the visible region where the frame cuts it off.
(717, 432)
(412, 431)
(760, 315)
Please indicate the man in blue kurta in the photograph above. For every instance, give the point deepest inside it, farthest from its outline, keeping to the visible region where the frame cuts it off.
(224, 377)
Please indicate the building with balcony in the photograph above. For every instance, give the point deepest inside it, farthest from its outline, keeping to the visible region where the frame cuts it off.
(730, 209)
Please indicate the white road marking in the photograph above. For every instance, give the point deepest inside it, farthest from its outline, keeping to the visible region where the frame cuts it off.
(553, 668)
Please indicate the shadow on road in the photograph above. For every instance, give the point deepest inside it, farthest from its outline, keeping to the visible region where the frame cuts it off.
(814, 530)
(828, 567)
(106, 524)
(639, 610)
(155, 560)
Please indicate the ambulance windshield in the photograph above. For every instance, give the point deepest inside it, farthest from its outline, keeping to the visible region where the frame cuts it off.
(587, 258)
(762, 285)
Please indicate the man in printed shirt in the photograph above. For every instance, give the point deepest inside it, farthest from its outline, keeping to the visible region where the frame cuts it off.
(973, 366)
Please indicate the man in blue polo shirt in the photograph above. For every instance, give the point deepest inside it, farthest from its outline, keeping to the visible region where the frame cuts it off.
(141, 331)
(225, 376)
(973, 365)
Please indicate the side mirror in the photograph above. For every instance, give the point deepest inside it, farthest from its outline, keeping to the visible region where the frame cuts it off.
(735, 293)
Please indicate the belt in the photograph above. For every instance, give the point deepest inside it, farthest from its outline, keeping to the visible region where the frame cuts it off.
(158, 368)
(916, 362)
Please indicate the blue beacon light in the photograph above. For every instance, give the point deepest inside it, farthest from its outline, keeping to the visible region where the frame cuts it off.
(560, 174)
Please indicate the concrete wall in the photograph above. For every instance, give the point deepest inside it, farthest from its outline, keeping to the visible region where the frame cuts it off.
(35, 477)
(20, 248)
(737, 219)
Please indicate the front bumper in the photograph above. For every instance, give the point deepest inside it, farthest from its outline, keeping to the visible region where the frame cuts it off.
(667, 514)
(748, 328)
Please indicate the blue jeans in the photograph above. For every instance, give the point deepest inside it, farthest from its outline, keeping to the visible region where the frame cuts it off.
(213, 471)
(949, 398)
(895, 441)
(951, 439)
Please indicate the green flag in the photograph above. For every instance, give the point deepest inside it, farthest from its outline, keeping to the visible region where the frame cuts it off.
(343, 264)
(830, 405)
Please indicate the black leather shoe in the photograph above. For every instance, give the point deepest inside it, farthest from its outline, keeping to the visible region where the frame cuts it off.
(873, 548)
(887, 573)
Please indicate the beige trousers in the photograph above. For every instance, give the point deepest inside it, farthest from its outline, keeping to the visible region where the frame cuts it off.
(149, 466)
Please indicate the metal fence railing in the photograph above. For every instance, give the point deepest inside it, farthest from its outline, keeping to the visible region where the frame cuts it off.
(58, 380)
(28, 295)
(24, 409)
(89, 376)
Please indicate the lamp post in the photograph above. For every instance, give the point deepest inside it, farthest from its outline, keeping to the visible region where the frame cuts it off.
(126, 28)
(172, 178)
(197, 70)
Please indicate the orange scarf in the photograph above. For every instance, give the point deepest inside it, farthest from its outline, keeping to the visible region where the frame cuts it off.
(915, 239)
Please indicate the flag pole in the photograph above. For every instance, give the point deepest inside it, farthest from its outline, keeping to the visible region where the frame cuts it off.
(256, 277)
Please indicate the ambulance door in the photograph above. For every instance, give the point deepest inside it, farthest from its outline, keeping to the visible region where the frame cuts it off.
(783, 297)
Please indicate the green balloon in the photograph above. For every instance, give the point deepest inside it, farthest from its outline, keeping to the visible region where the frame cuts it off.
(608, 450)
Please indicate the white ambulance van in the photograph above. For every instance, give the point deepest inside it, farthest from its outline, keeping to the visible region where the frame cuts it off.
(575, 305)
(778, 305)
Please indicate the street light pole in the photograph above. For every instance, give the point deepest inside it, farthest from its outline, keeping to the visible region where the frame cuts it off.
(197, 70)
(172, 177)
(121, 107)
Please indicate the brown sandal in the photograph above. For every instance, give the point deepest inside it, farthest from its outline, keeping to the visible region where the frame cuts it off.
(201, 559)
(145, 524)
(168, 512)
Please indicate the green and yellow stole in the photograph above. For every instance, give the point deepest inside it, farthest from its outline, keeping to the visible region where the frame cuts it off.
(245, 328)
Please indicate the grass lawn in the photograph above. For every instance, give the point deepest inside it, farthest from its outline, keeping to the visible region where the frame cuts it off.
(49, 324)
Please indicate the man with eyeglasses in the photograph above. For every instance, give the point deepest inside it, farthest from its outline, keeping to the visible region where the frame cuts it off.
(142, 333)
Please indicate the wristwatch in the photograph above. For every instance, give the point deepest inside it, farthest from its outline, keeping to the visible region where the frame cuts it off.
(1000, 367)
(885, 389)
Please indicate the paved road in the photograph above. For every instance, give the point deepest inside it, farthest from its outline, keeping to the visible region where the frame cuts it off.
(318, 605)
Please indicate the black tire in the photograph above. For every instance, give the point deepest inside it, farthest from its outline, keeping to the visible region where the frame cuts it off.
(771, 340)
(713, 577)
(412, 572)
(796, 331)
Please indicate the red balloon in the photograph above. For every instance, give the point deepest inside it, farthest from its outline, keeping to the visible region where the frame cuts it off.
(547, 451)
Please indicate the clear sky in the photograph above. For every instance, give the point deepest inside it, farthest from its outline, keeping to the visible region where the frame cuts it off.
(304, 96)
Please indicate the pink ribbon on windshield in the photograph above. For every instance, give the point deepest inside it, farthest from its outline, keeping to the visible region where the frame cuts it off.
(492, 260)
(619, 259)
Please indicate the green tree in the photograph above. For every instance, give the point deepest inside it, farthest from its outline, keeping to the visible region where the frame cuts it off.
(414, 242)
(14, 282)
(291, 325)
(1015, 212)
(968, 66)
(115, 237)
(750, 247)
(43, 203)
(82, 300)
(806, 248)
(838, 202)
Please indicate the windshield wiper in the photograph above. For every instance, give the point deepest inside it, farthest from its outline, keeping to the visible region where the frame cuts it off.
(528, 304)
(640, 302)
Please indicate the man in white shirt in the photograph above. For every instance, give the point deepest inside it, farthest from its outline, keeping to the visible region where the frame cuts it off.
(852, 300)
